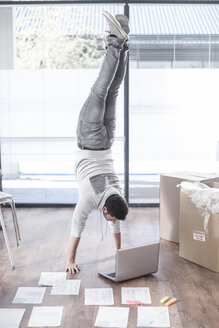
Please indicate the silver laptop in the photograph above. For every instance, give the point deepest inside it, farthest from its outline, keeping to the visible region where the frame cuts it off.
(133, 262)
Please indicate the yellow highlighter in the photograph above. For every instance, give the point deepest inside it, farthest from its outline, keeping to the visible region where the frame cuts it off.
(164, 299)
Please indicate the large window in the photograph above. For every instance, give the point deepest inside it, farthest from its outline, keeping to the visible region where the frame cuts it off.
(174, 102)
(50, 56)
(57, 55)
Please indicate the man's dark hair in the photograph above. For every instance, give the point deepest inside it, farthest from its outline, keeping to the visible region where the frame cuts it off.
(117, 207)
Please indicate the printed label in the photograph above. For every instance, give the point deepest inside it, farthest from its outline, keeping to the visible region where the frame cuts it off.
(199, 235)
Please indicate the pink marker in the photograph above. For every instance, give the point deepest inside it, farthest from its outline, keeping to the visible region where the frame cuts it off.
(133, 302)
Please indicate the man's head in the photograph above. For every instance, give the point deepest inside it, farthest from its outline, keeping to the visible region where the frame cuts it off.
(115, 208)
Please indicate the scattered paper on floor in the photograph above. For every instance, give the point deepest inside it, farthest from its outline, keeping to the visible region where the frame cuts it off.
(153, 317)
(46, 316)
(99, 296)
(141, 294)
(112, 317)
(11, 317)
(52, 278)
(29, 295)
(70, 287)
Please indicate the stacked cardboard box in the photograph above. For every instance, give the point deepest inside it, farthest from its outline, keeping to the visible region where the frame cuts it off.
(170, 201)
(195, 244)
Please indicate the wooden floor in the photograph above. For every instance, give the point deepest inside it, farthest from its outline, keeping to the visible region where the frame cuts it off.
(45, 236)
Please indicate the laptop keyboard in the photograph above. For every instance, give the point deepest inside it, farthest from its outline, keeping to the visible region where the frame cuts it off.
(113, 275)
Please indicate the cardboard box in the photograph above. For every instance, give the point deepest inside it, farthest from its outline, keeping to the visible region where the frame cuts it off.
(170, 201)
(195, 245)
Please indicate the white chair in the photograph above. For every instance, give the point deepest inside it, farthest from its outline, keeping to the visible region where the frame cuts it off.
(8, 199)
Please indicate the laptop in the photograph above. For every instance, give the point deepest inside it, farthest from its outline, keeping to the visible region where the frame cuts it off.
(133, 262)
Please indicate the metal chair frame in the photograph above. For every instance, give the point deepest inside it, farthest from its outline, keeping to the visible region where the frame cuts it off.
(8, 199)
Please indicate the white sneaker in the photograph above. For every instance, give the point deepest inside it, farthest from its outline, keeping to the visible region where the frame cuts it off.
(114, 26)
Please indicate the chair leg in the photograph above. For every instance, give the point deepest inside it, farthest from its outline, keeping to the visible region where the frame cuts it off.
(6, 239)
(16, 220)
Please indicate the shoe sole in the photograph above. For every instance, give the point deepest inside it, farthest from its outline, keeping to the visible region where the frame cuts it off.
(126, 22)
(116, 23)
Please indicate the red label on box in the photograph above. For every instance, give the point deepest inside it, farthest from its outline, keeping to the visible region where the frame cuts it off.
(199, 235)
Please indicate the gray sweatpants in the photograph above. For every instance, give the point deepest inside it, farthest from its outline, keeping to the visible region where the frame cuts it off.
(97, 118)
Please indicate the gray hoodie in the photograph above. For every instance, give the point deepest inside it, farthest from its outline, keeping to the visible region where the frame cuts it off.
(97, 181)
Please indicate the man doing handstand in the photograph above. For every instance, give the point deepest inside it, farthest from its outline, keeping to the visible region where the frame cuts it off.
(99, 186)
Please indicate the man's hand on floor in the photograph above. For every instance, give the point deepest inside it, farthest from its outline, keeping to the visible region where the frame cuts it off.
(72, 268)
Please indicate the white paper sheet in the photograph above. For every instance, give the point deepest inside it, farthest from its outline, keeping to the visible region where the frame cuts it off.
(70, 287)
(42, 316)
(29, 295)
(11, 318)
(153, 317)
(99, 296)
(52, 278)
(112, 317)
(136, 294)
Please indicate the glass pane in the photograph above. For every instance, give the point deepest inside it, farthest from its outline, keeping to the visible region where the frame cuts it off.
(174, 60)
(54, 57)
